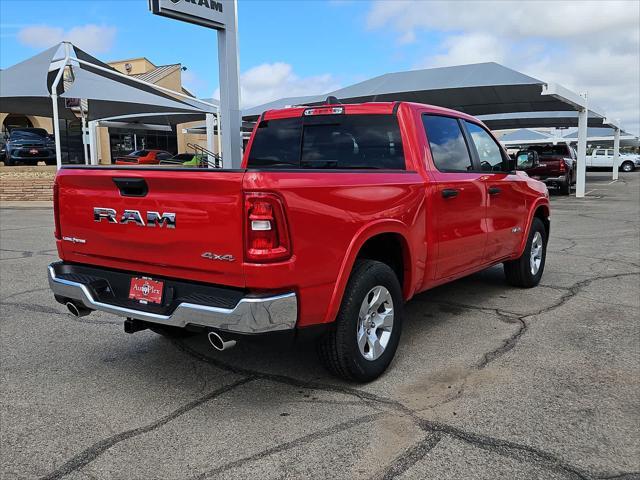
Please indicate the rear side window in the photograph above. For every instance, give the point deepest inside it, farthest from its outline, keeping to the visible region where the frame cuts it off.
(329, 142)
(489, 153)
(448, 147)
(276, 144)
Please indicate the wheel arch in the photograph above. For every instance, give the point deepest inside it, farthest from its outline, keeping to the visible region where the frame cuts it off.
(539, 210)
(385, 241)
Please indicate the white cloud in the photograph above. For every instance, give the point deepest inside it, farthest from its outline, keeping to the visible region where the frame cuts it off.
(270, 81)
(585, 46)
(472, 48)
(90, 37)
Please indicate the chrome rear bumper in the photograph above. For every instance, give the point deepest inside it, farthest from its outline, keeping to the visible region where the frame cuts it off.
(250, 315)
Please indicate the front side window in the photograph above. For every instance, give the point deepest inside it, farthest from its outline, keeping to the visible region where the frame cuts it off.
(489, 153)
(328, 142)
(448, 147)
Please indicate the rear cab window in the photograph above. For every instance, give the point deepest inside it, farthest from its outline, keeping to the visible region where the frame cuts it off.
(333, 141)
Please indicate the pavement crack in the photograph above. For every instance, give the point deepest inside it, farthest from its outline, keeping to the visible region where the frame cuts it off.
(509, 449)
(569, 294)
(366, 397)
(31, 290)
(326, 432)
(621, 476)
(410, 457)
(34, 307)
(576, 288)
(89, 454)
(507, 345)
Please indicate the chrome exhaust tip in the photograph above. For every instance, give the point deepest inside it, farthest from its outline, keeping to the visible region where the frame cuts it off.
(219, 343)
(77, 310)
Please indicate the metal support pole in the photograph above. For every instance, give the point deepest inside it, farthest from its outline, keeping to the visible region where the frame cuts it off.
(85, 147)
(210, 130)
(56, 131)
(54, 101)
(616, 152)
(219, 137)
(230, 91)
(93, 143)
(582, 150)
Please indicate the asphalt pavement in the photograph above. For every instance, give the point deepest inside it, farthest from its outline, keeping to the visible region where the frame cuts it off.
(489, 381)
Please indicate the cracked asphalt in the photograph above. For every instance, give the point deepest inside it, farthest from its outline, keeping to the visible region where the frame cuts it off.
(489, 381)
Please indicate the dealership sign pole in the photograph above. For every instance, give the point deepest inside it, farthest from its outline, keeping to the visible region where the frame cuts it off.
(223, 17)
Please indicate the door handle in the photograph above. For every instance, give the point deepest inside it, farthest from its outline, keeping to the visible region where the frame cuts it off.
(450, 192)
(494, 190)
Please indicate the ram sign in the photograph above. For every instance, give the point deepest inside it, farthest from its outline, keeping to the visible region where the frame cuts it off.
(208, 13)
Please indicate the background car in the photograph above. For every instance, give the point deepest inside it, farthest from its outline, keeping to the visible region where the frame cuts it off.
(144, 157)
(603, 158)
(29, 146)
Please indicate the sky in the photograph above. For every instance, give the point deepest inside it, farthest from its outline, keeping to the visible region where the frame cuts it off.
(304, 47)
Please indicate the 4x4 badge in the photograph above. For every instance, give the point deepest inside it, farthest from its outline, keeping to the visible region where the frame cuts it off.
(215, 256)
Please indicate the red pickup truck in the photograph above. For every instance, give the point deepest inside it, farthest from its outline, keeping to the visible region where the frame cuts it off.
(555, 165)
(339, 215)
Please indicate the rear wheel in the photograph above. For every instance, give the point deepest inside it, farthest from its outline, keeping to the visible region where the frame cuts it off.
(527, 270)
(627, 167)
(565, 187)
(363, 340)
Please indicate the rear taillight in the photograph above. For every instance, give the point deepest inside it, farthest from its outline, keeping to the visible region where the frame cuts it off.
(563, 166)
(266, 231)
(56, 209)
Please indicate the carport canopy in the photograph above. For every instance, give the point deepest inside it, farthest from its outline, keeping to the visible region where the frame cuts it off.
(507, 121)
(477, 89)
(35, 87)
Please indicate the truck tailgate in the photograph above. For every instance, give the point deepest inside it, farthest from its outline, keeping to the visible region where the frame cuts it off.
(206, 243)
(548, 167)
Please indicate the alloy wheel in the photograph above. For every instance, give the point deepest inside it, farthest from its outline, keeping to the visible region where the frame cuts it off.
(536, 253)
(375, 323)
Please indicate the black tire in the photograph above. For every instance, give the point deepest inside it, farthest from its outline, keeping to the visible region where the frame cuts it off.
(565, 187)
(519, 272)
(627, 166)
(172, 332)
(338, 349)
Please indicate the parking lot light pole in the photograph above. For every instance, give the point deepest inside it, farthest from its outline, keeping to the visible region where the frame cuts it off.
(583, 113)
(616, 152)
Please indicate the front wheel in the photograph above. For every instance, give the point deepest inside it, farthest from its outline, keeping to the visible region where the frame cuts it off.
(363, 340)
(527, 270)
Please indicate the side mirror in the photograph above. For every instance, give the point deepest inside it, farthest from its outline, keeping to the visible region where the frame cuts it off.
(526, 160)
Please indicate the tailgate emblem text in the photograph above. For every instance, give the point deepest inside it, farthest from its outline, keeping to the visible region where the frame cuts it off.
(153, 219)
(215, 256)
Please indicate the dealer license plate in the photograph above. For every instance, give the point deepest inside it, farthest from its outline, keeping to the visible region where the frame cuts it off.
(146, 290)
